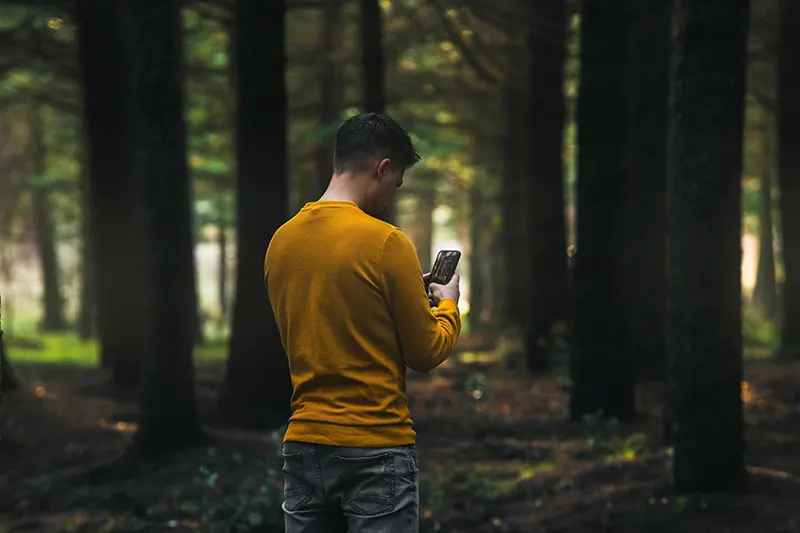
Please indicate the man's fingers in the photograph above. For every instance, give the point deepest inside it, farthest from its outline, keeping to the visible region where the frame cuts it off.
(426, 276)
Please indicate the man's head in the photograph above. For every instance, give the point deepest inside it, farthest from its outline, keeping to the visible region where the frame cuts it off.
(373, 151)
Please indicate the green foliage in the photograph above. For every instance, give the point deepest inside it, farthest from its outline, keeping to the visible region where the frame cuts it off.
(607, 436)
(69, 349)
(253, 504)
(758, 330)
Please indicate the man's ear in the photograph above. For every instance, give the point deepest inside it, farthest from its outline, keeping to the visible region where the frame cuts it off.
(383, 167)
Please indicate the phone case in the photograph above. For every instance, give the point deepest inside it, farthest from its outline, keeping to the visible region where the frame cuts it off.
(445, 266)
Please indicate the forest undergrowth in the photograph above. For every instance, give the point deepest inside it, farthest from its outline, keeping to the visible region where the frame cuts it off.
(497, 453)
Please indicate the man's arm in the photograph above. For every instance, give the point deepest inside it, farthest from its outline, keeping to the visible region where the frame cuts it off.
(427, 338)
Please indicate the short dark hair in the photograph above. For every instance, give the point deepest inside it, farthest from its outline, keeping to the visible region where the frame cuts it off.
(372, 135)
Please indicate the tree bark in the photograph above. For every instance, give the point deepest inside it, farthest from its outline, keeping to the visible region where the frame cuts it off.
(704, 342)
(549, 277)
(789, 173)
(515, 277)
(765, 293)
(330, 91)
(168, 414)
(373, 76)
(372, 60)
(479, 255)
(257, 389)
(52, 299)
(420, 229)
(8, 381)
(86, 313)
(601, 367)
(649, 49)
(222, 273)
(115, 208)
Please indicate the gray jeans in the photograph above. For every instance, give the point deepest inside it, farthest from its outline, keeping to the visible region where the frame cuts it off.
(330, 489)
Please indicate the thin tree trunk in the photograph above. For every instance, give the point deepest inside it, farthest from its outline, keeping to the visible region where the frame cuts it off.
(198, 322)
(427, 203)
(8, 381)
(647, 146)
(86, 314)
(222, 273)
(601, 366)
(512, 192)
(115, 204)
(789, 173)
(168, 413)
(52, 300)
(765, 293)
(330, 91)
(372, 62)
(373, 76)
(257, 388)
(421, 225)
(704, 342)
(549, 277)
(477, 257)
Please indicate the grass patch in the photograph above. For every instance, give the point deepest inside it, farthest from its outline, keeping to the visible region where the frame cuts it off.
(54, 348)
(69, 349)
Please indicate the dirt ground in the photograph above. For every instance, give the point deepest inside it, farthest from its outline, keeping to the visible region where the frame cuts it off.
(496, 452)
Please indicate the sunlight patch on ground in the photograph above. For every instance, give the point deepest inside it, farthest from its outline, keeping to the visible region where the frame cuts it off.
(122, 427)
(475, 357)
(771, 472)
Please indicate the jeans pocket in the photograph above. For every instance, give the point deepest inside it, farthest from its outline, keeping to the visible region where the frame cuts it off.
(296, 489)
(414, 460)
(370, 481)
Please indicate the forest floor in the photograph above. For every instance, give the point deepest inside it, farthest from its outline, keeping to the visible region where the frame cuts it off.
(506, 462)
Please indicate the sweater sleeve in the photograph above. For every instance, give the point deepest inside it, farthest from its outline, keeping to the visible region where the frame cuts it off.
(427, 337)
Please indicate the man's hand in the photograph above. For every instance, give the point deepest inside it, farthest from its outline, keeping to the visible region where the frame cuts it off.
(437, 293)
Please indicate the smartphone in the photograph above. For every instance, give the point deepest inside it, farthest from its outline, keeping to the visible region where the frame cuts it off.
(445, 266)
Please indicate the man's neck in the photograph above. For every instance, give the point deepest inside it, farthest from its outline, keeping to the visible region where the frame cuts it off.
(346, 187)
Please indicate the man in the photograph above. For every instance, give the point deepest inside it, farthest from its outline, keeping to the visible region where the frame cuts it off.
(350, 302)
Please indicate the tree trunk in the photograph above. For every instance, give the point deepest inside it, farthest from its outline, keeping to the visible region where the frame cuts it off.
(86, 313)
(8, 381)
(330, 92)
(420, 229)
(222, 273)
(52, 300)
(789, 173)
(372, 68)
(479, 254)
(704, 342)
(198, 323)
(512, 191)
(765, 293)
(646, 224)
(257, 390)
(601, 367)
(373, 76)
(549, 278)
(115, 205)
(168, 413)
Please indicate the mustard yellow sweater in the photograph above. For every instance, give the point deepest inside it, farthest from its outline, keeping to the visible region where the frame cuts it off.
(350, 303)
